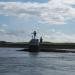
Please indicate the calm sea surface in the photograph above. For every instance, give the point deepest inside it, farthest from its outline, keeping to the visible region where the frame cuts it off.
(13, 62)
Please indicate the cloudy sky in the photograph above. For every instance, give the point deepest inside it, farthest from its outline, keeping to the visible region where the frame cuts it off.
(54, 20)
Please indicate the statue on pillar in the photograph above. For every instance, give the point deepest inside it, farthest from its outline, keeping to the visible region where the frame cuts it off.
(34, 34)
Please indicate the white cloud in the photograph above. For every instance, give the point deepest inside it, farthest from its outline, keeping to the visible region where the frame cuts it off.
(13, 36)
(2, 31)
(51, 36)
(69, 1)
(58, 36)
(4, 25)
(55, 11)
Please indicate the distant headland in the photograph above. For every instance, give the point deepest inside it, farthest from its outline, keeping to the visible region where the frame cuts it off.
(44, 47)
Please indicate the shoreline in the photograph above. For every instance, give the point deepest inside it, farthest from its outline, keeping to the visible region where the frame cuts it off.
(51, 50)
(44, 47)
(46, 50)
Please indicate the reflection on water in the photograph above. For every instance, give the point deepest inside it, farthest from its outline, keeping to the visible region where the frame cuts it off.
(33, 54)
(14, 62)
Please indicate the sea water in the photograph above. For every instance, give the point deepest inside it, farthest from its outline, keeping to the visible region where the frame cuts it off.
(14, 62)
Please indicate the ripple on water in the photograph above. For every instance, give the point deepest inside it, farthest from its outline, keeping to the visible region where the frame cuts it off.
(40, 64)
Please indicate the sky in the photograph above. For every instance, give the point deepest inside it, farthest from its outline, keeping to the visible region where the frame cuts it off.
(54, 20)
